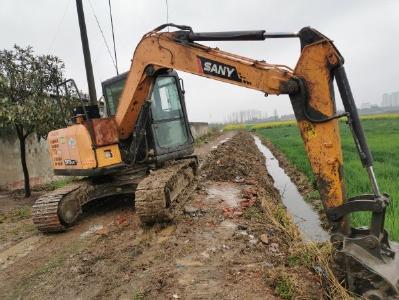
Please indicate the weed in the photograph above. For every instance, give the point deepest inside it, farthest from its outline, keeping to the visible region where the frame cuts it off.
(285, 287)
(312, 256)
(138, 295)
(253, 213)
(57, 184)
(20, 213)
(312, 196)
(204, 138)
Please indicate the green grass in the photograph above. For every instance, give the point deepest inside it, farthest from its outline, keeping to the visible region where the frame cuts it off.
(58, 183)
(205, 138)
(20, 213)
(383, 137)
(285, 287)
(290, 123)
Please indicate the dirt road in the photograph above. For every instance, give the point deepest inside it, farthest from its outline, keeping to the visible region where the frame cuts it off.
(220, 246)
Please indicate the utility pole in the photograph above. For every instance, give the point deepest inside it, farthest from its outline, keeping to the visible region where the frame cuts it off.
(86, 53)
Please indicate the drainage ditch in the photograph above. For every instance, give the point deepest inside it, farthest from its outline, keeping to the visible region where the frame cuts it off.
(304, 216)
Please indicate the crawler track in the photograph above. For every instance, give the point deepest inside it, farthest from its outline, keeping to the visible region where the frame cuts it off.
(157, 192)
(45, 210)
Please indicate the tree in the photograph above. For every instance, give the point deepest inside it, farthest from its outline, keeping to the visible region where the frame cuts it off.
(28, 84)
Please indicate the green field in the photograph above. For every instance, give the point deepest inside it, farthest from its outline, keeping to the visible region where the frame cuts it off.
(383, 136)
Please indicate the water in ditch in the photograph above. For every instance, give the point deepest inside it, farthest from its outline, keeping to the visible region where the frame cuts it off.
(303, 214)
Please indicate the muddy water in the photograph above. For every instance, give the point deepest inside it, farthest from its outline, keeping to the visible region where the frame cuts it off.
(304, 216)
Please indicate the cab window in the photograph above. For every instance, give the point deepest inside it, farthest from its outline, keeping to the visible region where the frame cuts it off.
(166, 100)
(169, 122)
(112, 94)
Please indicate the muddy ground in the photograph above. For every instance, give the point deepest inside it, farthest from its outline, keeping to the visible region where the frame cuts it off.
(220, 246)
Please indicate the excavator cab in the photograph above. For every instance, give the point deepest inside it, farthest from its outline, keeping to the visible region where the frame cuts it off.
(167, 130)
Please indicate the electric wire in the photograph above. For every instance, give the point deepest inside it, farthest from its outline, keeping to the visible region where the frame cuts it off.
(113, 36)
(103, 36)
(167, 13)
(58, 26)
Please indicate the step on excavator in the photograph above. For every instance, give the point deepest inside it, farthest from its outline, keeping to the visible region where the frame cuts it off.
(143, 148)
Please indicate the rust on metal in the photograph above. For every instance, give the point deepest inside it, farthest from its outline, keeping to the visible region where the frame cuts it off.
(105, 131)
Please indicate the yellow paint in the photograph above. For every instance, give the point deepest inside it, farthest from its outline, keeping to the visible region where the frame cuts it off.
(108, 155)
(73, 143)
(322, 140)
(310, 129)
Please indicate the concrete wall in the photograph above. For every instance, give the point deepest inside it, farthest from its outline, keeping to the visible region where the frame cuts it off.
(198, 129)
(37, 157)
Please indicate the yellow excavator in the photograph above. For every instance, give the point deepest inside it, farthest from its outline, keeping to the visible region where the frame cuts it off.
(144, 147)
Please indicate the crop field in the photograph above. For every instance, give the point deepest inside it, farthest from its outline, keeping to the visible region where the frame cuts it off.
(382, 133)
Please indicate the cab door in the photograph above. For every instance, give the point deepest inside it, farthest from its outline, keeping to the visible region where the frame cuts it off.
(170, 126)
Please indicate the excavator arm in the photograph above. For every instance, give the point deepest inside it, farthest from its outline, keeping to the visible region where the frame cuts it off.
(311, 91)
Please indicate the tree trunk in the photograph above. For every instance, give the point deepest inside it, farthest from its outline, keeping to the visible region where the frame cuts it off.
(22, 139)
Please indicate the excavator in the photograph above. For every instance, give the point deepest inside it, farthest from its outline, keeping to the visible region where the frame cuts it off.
(143, 148)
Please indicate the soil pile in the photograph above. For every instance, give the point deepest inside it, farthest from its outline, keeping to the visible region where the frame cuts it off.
(239, 160)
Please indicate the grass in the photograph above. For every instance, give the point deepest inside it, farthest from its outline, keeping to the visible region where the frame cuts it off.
(58, 183)
(292, 123)
(285, 287)
(313, 256)
(16, 214)
(206, 137)
(382, 133)
(20, 213)
(253, 213)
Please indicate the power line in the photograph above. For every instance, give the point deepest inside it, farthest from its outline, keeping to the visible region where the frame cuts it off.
(167, 13)
(113, 37)
(102, 33)
(59, 26)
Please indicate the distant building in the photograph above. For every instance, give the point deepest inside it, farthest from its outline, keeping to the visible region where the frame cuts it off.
(385, 100)
(395, 99)
(389, 100)
(365, 105)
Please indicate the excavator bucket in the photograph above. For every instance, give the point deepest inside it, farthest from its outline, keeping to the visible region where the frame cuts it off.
(370, 276)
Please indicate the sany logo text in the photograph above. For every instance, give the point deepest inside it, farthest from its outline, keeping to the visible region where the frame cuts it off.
(218, 69)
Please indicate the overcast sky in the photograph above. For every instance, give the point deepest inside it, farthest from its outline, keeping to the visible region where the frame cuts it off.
(366, 33)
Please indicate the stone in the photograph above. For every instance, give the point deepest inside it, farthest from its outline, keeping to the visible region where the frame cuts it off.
(190, 210)
(273, 247)
(103, 231)
(264, 238)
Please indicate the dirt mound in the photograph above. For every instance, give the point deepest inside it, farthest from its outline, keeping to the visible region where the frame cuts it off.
(239, 160)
